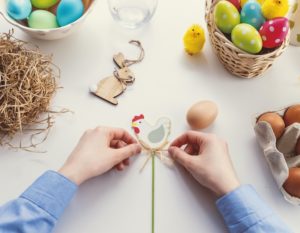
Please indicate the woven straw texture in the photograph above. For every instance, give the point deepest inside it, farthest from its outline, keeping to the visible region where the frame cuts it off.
(235, 60)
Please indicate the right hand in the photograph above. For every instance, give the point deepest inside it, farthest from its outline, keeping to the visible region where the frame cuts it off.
(207, 158)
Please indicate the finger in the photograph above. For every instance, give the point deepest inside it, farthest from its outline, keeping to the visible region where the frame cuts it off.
(122, 135)
(120, 167)
(128, 151)
(180, 156)
(189, 149)
(116, 144)
(126, 162)
(190, 137)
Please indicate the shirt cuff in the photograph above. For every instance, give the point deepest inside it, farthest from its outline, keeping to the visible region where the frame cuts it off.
(51, 192)
(242, 207)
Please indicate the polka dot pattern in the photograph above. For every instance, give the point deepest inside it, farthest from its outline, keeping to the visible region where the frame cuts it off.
(274, 32)
(251, 14)
(245, 37)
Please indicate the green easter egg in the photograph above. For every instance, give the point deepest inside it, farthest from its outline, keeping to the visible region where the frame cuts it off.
(247, 38)
(43, 4)
(41, 19)
(226, 16)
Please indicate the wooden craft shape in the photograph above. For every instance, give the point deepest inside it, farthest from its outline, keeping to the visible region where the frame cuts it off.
(153, 136)
(119, 60)
(111, 87)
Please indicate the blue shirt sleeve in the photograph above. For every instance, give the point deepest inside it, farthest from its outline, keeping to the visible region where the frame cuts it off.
(39, 207)
(244, 212)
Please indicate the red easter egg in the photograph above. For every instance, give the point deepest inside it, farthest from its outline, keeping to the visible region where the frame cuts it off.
(236, 3)
(273, 32)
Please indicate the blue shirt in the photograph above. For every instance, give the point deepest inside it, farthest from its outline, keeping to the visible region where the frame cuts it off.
(38, 209)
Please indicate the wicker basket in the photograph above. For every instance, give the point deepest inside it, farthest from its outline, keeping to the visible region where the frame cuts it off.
(235, 60)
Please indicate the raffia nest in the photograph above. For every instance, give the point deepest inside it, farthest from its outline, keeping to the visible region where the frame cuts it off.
(28, 81)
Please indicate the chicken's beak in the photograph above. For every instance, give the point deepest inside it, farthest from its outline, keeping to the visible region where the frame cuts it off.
(134, 125)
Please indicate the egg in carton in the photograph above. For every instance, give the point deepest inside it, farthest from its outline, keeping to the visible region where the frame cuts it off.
(280, 153)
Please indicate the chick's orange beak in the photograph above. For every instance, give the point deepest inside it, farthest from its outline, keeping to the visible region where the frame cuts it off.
(134, 126)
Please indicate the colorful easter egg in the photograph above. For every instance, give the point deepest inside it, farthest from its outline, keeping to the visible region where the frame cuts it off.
(243, 2)
(236, 3)
(43, 4)
(251, 14)
(41, 19)
(69, 11)
(247, 38)
(18, 9)
(274, 32)
(226, 16)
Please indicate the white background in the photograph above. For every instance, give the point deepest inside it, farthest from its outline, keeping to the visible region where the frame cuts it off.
(167, 83)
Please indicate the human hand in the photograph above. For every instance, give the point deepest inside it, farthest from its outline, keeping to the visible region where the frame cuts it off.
(98, 151)
(207, 158)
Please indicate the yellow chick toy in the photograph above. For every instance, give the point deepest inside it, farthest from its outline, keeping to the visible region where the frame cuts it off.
(274, 8)
(243, 2)
(194, 39)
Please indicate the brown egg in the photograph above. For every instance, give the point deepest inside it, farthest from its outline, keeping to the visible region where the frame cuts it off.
(292, 184)
(276, 122)
(292, 115)
(202, 114)
(297, 149)
(86, 4)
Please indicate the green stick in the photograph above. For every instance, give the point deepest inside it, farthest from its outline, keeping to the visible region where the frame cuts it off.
(153, 190)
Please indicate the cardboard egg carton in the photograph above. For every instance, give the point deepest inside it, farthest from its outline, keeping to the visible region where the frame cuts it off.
(280, 154)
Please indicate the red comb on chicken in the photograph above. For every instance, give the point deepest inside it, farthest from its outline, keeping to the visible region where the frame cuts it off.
(135, 123)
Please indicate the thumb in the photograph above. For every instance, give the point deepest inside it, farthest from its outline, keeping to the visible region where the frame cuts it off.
(128, 151)
(180, 156)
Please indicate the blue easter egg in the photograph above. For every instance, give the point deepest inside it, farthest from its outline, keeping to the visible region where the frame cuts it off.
(251, 14)
(18, 9)
(69, 11)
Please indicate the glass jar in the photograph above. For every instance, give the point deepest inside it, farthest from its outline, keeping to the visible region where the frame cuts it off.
(132, 13)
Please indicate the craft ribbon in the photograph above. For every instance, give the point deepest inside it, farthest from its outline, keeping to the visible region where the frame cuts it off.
(159, 152)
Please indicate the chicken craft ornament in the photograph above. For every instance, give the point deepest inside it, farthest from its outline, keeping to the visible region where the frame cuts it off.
(153, 139)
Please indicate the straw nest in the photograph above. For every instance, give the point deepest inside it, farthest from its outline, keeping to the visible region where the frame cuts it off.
(28, 81)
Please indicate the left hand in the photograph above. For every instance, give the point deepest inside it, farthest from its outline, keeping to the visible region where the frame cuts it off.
(98, 151)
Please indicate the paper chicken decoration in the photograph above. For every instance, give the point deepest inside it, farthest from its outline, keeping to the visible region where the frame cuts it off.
(153, 139)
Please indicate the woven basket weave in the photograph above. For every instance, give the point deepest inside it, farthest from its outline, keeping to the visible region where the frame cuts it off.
(235, 60)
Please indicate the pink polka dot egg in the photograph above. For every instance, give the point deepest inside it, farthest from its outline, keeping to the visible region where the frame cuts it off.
(273, 32)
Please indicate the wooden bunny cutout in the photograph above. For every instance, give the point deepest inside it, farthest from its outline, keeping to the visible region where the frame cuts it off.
(111, 87)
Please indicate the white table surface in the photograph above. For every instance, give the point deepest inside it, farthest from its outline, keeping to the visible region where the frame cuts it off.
(167, 83)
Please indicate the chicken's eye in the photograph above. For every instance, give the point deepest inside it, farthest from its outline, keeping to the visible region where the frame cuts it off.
(193, 29)
(198, 34)
(140, 122)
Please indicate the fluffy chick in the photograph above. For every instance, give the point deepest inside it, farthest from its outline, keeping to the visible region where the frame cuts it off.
(275, 8)
(194, 39)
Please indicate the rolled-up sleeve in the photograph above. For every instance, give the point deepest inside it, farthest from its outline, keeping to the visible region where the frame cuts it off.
(244, 211)
(39, 207)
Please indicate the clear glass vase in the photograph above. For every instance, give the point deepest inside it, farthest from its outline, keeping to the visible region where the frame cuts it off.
(132, 13)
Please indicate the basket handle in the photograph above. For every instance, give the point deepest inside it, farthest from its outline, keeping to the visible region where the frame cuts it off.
(208, 4)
